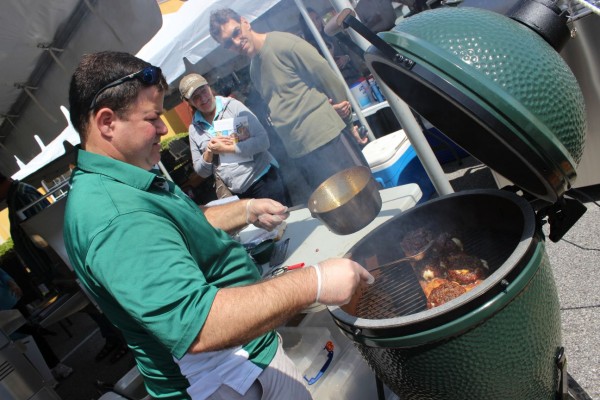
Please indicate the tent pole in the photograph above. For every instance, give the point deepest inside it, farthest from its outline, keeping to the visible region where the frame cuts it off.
(355, 106)
(339, 5)
(408, 122)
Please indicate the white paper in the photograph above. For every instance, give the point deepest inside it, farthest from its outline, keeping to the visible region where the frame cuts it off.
(237, 127)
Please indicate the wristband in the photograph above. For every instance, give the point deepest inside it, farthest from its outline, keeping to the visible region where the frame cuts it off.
(248, 212)
(319, 281)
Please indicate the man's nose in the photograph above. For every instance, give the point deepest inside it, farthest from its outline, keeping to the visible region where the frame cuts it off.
(161, 127)
(237, 42)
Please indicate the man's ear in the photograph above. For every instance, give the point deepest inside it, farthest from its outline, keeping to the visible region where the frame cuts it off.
(104, 121)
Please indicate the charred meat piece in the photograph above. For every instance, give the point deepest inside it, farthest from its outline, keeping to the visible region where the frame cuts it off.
(415, 240)
(444, 293)
(432, 284)
(462, 261)
(446, 244)
(463, 268)
(465, 276)
(443, 244)
(447, 271)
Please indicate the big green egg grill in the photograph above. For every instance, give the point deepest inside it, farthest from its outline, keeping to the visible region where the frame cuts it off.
(502, 93)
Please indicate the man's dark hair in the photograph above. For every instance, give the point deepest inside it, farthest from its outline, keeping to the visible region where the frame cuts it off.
(2, 177)
(95, 71)
(219, 18)
(304, 26)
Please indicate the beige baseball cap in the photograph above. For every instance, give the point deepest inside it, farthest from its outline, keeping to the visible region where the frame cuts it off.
(189, 84)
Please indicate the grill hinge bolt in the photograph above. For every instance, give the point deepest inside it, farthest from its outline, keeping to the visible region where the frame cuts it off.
(504, 283)
(357, 331)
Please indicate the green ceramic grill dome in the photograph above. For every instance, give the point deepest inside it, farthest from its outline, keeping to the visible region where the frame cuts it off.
(500, 90)
(502, 93)
(499, 341)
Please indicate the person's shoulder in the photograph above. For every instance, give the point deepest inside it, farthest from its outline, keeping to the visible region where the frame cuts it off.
(283, 38)
(194, 129)
(292, 45)
(225, 100)
(283, 34)
(108, 196)
(232, 102)
(87, 190)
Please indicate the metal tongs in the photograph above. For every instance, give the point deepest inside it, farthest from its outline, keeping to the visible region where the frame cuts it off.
(415, 257)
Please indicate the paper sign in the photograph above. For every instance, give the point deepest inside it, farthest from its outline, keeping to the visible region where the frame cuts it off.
(238, 129)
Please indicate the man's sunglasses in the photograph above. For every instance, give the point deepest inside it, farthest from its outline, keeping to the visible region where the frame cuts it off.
(148, 76)
(235, 33)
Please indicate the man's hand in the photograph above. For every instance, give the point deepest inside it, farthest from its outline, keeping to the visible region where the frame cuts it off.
(356, 134)
(265, 213)
(341, 61)
(340, 277)
(233, 216)
(343, 109)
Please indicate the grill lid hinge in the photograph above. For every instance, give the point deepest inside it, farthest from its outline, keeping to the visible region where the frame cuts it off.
(562, 215)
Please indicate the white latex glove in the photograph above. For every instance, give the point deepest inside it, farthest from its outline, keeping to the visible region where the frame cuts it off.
(339, 279)
(265, 213)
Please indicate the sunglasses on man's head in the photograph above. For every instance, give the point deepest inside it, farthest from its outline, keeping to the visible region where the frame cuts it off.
(235, 33)
(148, 76)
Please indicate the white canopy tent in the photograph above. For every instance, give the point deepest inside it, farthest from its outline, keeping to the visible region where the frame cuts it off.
(41, 42)
(185, 34)
(68, 138)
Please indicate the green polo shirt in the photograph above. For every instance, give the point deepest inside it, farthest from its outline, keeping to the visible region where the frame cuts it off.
(147, 255)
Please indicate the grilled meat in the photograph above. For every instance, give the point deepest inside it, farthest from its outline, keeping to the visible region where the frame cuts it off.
(462, 261)
(432, 284)
(447, 271)
(430, 269)
(463, 268)
(415, 240)
(444, 293)
(443, 244)
(446, 244)
(465, 276)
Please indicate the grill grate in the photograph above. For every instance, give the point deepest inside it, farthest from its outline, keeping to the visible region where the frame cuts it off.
(493, 248)
(397, 292)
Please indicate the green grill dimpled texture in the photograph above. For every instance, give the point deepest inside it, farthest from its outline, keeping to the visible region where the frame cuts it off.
(515, 58)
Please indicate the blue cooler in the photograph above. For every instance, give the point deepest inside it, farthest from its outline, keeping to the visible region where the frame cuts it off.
(393, 162)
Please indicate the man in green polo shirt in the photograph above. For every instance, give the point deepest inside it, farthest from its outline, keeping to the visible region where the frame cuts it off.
(187, 297)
